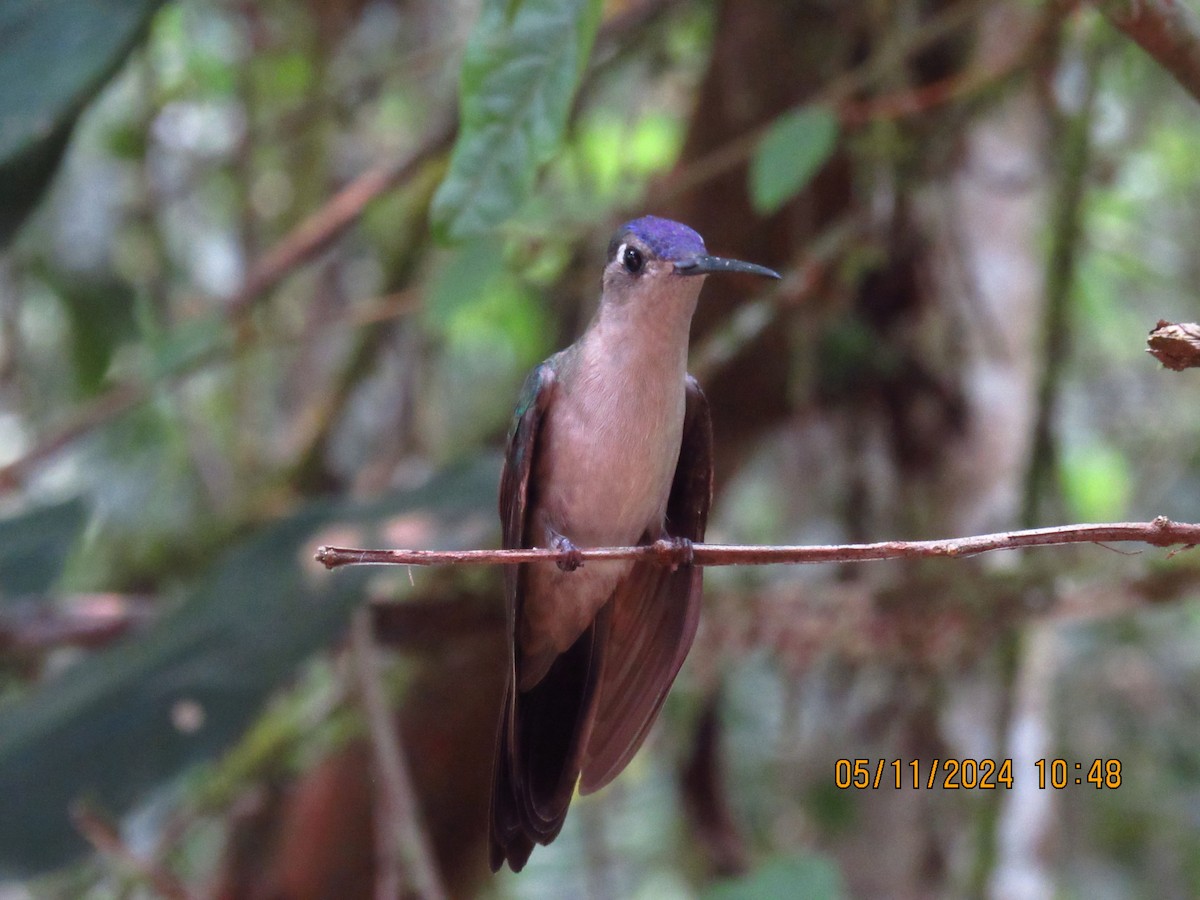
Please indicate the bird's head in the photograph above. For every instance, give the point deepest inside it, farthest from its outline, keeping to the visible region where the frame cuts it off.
(652, 257)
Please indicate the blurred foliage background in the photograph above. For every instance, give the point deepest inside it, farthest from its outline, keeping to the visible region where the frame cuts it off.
(271, 274)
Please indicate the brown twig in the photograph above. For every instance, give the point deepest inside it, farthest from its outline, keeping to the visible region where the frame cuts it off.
(105, 408)
(1169, 30)
(123, 397)
(344, 208)
(328, 222)
(102, 834)
(404, 859)
(1176, 346)
(1162, 532)
(304, 241)
(835, 94)
(919, 100)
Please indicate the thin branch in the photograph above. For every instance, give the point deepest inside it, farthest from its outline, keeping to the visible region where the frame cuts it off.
(104, 408)
(835, 94)
(1168, 30)
(403, 857)
(337, 214)
(1162, 532)
(921, 99)
(341, 211)
(799, 283)
(299, 245)
(1176, 346)
(104, 836)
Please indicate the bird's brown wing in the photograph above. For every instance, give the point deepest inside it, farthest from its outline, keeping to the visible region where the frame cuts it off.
(654, 613)
(539, 746)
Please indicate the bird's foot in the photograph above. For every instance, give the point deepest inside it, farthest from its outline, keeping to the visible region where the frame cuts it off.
(574, 558)
(677, 550)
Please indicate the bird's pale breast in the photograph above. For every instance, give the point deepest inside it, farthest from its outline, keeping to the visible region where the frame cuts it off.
(606, 458)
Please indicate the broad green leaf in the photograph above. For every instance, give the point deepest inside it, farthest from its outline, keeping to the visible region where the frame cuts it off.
(519, 78)
(35, 545)
(812, 877)
(795, 146)
(129, 719)
(54, 56)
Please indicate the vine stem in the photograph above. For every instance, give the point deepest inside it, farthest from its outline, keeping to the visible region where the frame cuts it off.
(1161, 532)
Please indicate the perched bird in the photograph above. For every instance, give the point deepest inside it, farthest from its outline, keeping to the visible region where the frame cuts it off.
(611, 445)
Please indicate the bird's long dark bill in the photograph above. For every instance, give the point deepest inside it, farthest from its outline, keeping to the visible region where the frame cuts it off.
(711, 265)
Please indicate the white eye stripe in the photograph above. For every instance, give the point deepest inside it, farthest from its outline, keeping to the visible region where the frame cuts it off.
(621, 251)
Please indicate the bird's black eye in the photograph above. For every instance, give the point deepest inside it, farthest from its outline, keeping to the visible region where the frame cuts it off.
(632, 260)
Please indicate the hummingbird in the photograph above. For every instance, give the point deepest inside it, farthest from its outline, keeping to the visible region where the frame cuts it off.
(611, 445)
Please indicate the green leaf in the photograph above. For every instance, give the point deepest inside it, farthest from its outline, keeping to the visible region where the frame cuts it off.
(101, 312)
(812, 877)
(54, 56)
(105, 730)
(522, 69)
(468, 274)
(186, 345)
(35, 545)
(795, 146)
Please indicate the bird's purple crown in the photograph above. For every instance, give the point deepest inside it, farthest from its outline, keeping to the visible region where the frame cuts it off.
(666, 238)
